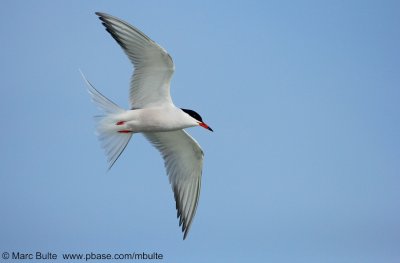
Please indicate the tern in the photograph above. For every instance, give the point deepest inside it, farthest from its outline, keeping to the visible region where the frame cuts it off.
(153, 114)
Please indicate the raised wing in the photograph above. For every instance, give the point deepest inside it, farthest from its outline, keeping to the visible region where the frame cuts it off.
(183, 160)
(153, 66)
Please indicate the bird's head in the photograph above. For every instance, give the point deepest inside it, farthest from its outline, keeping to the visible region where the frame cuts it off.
(198, 118)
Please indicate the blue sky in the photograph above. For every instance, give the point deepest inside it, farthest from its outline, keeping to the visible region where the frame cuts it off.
(303, 97)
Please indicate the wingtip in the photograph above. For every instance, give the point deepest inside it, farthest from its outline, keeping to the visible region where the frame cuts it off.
(185, 233)
(102, 16)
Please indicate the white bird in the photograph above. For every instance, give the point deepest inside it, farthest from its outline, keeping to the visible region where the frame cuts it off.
(153, 114)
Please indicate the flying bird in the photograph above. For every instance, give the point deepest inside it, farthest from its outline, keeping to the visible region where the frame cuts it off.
(153, 114)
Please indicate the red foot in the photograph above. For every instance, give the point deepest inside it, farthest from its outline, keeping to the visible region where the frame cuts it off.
(120, 123)
(124, 131)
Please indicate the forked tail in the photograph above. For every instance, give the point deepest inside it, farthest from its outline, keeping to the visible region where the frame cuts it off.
(112, 141)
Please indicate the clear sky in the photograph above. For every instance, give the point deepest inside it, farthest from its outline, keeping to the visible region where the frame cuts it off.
(304, 99)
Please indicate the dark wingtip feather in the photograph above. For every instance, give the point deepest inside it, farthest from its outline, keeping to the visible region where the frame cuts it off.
(100, 14)
(182, 221)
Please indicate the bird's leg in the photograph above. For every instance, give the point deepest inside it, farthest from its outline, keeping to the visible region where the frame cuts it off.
(122, 131)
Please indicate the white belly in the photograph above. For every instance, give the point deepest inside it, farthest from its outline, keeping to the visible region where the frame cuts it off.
(154, 119)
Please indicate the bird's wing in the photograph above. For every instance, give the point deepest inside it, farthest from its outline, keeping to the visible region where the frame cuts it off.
(153, 66)
(183, 159)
